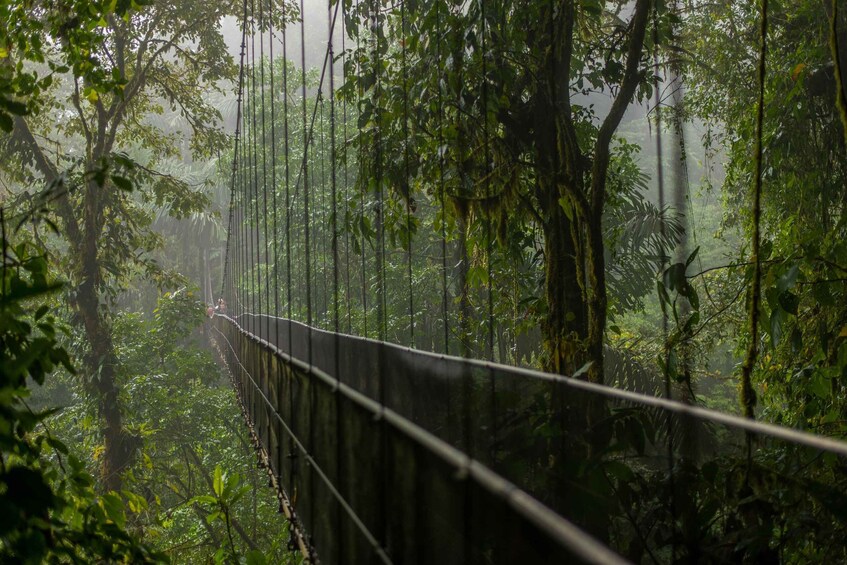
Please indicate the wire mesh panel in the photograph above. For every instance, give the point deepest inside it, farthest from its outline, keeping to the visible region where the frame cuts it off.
(370, 486)
(655, 479)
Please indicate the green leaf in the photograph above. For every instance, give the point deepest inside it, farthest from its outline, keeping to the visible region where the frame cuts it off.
(675, 276)
(239, 494)
(114, 508)
(619, 470)
(789, 302)
(122, 183)
(204, 499)
(820, 386)
(27, 490)
(231, 483)
(692, 256)
(218, 482)
(57, 445)
(256, 557)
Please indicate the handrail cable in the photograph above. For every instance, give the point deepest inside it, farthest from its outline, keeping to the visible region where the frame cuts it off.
(575, 539)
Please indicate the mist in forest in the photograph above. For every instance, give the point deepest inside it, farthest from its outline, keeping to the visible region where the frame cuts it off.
(499, 282)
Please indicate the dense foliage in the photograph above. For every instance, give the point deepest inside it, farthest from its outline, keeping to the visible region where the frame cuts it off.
(50, 509)
(487, 179)
(88, 185)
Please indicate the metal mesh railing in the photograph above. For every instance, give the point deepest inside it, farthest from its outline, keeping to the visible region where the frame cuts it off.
(370, 486)
(654, 479)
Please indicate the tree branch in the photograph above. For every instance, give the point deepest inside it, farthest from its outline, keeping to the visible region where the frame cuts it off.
(86, 130)
(632, 76)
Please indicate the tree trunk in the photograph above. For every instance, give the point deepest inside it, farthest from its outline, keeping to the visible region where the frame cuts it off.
(564, 327)
(118, 444)
(838, 46)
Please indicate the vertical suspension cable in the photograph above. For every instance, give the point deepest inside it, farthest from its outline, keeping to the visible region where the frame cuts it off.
(239, 213)
(663, 259)
(361, 163)
(266, 272)
(307, 231)
(488, 171)
(381, 311)
(250, 183)
(406, 173)
(265, 213)
(748, 395)
(278, 374)
(487, 184)
(323, 250)
(287, 176)
(346, 181)
(256, 193)
(288, 245)
(245, 180)
(339, 467)
(316, 204)
(230, 263)
(262, 226)
(235, 300)
(333, 181)
(275, 228)
(245, 165)
(305, 174)
(462, 122)
(380, 255)
(442, 193)
(255, 258)
(245, 203)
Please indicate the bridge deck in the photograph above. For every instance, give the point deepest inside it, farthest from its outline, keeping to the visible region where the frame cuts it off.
(392, 455)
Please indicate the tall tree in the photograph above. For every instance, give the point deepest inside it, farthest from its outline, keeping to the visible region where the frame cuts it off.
(507, 120)
(804, 211)
(166, 55)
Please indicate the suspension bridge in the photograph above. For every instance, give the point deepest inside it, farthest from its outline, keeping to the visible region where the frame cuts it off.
(394, 429)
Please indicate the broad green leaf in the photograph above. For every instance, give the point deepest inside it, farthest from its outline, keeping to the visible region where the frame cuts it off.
(218, 481)
(256, 557)
(114, 507)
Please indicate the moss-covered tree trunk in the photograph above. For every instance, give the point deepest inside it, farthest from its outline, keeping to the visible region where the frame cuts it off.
(564, 327)
(83, 226)
(559, 165)
(571, 191)
(837, 13)
(101, 365)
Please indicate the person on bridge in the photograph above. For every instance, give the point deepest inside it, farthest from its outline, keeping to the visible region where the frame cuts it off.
(221, 307)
